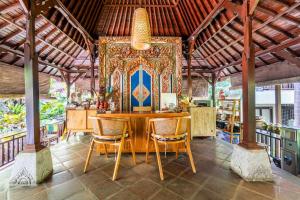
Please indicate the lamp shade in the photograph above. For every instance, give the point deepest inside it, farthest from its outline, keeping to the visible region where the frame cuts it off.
(140, 31)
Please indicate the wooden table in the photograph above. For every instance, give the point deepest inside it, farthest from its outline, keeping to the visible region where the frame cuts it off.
(138, 124)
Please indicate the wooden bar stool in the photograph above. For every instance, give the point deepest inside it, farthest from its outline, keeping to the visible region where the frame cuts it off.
(170, 131)
(111, 131)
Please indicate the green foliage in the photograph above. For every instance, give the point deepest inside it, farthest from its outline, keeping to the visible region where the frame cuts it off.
(14, 114)
(16, 109)
(51, 109)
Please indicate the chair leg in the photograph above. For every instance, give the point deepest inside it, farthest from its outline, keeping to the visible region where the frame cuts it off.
(118, 160)
(189, 152)
(147, 147)
(89, 156)
(176, 146)
(132, 151)
(158, 160)
(68, 135)
(105, 149)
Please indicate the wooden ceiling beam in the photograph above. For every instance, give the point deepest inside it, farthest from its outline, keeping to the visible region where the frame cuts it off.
(10, 36)
(274, 48)
(221, 27)
(272, 13)
(208, 19)
(21, 54)
(9, 8)
(37, 37)
(72, 20)
(290, 58)
(178, 17)
(270, 20)
(58, 29)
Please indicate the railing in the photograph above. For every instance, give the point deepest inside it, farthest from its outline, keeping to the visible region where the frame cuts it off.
(285, 86)
(10, 146)
(272, 140)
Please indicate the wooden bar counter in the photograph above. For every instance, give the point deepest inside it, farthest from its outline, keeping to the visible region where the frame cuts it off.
(138, 125)
(78, 121)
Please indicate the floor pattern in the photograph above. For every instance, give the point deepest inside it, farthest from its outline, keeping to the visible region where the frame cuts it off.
(214, 180)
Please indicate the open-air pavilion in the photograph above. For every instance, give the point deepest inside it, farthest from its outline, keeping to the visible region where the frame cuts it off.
(143, 132)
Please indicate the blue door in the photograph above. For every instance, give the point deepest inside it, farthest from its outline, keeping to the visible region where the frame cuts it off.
(140, 88)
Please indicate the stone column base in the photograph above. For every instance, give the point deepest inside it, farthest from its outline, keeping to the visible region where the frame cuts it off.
(251, 165)
(31, 168)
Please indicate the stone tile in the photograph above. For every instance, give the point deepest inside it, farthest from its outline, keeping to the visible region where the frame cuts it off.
(205, 194)
(59, 178)
(109, 170)
(244, 194)
(84, 195)
(144, 188)
(38, 196)
(167, 178)
(221, 187)
(68, 157)
(73, 163)
(265, 188)
(65, 190)
(93, 177)
(174, 168)
(78, 169)
(144, 169)
(282, 194)
(104, 189)
(100, 161)
(128, 178)
(165, 194)
(198, 178)
(58, 168)
(183, 187)
(213, 180)
(21, 192)
(226, 175)
(124, 193)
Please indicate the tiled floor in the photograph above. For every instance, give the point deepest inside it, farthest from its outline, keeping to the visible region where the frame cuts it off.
(213, 180)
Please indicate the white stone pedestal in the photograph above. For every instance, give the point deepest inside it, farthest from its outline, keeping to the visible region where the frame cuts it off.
(31, 168)
(251, 165)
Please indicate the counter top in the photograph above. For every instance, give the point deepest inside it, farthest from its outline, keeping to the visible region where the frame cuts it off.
(144, 114)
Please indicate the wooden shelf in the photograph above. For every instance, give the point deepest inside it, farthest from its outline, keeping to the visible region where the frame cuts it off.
(233, 112)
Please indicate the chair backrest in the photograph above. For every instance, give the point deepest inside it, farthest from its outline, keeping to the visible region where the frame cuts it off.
(170, 126)
(142, 109)
(110, 127)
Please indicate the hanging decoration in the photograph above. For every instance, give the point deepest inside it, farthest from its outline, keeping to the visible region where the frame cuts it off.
(140, 32)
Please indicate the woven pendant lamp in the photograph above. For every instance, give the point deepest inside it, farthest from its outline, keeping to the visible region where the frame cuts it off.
(140, 31)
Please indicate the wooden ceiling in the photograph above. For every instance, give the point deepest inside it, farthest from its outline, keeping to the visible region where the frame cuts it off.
(215, 24)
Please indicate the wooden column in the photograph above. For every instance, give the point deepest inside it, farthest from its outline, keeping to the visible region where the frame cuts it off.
(278, 115)
(93, 85)
(213, 87)
(68, 83)
(248, 80)
(31, 83)
(191, 48)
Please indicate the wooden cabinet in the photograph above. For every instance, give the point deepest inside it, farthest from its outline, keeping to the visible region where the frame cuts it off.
(77, 120)
(203, 121)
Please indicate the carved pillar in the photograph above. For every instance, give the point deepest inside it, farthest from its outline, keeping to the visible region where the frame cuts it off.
(213, 87)
(248, 80)
(248, 160)
(191, 47)
(34, 164)
(31, 86)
